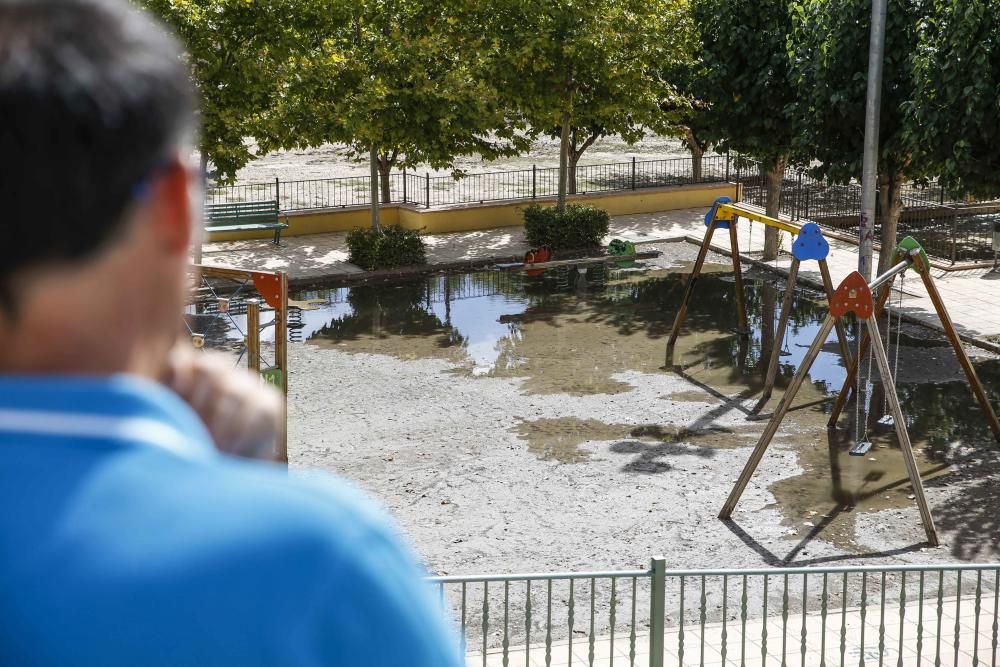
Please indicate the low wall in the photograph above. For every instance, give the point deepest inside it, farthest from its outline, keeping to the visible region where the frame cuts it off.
(489, 215)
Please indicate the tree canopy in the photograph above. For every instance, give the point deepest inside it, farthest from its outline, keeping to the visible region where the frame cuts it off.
(401, 77)
(585, 69)
(955, 107)
(746, 88)
(237, 50)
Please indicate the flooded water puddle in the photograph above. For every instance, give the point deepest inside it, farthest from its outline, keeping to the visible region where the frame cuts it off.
(598, 333)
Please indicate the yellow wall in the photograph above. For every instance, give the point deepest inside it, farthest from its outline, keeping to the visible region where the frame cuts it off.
(487, 216)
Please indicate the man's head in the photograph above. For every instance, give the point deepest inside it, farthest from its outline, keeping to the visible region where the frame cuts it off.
(96, 189)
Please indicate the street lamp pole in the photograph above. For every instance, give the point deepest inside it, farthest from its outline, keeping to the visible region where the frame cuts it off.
(873, 104)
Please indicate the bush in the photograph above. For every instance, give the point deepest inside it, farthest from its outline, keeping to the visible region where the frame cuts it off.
(386, 248)
(579, 226)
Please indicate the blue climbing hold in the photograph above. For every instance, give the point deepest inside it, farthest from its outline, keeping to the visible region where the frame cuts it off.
(722, 224)
(811, 244)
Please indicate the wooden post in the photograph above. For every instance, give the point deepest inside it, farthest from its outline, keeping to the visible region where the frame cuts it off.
(776, 418)
(688, 291)
(845, 349)
(949, 329)
(900, 422)
(281, 361)
(253, 335)
(741, 308)
(786, 311)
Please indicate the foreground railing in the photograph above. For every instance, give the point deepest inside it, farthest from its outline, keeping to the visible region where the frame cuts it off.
(902, 615)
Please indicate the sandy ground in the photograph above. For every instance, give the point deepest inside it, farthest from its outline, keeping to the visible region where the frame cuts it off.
(332, 160)
(527, 471)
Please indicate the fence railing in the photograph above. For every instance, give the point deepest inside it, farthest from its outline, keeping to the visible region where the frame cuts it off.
(894, 615)
(427, 191)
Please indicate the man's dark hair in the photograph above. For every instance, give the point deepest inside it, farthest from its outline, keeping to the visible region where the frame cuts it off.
(93, 97)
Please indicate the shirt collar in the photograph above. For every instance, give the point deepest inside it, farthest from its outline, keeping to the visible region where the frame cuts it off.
(118, 407)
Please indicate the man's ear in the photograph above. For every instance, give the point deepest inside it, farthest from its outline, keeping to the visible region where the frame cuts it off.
(172, 207)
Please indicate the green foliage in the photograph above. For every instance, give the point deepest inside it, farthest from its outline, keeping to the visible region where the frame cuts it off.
(238, 51)
(402, 77)
(743, 80)
(575, 227)
(953, 113)
(386, 248)
(829, 58)
(595, 65)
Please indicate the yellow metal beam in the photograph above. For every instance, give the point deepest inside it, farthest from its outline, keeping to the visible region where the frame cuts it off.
(732, 211)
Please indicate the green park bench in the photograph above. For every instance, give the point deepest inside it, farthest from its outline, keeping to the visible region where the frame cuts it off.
(245, 216)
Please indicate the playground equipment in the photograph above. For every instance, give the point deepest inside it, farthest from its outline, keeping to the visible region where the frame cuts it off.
(855, 296)
(810, 245)
(534, 265)
(240, 297)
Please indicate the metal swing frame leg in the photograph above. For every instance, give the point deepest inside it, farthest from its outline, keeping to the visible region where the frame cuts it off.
(882, 359)
(949, 329)
(786, 311)
(779, 414)
(675, 330)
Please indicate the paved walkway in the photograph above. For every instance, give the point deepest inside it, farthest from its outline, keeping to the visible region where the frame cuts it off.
(972, 297)
(784, 641)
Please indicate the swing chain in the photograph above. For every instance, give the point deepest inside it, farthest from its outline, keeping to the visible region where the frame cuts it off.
(899, 331)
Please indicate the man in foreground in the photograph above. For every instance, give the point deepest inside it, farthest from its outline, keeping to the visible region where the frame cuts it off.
(126, 537)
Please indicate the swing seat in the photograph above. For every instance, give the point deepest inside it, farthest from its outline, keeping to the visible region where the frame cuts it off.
(861, 448)
(887, 420)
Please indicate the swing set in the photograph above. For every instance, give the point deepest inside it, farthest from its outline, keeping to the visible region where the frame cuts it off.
(854, 295)
(810, 244)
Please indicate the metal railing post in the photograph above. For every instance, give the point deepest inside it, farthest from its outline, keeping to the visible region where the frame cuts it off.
(633, 172)
(954, 237)
(277, 191)
(534, 180)
(798, 198)
(427, 188)
(657, 610)
(404, 185)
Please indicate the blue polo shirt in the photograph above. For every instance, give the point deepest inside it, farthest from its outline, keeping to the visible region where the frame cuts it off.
(125, 539)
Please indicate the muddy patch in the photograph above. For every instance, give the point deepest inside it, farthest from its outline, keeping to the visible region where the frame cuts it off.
(562, 440)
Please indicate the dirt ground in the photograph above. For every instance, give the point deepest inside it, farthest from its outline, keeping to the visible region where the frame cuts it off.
(530, 470)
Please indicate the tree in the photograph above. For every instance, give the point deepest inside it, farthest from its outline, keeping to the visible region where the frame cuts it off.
(830, 71)
(236, 50)
(746, 89)
(956, 69)
(397, 78)
(587, 69)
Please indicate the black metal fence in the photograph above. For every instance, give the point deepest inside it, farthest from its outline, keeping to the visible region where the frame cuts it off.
(956, 231)
(426, 191)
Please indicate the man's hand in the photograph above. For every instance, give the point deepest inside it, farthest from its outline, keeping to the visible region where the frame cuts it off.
(243, 415)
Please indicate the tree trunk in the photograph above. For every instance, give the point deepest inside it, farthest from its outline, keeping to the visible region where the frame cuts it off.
(697, 153)
(563, 160)
(772, 206)
(374, 171)
(384, 170)
(890, 186)
(575, 153)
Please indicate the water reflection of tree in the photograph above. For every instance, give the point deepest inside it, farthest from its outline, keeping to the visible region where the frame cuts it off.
(400, 310)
